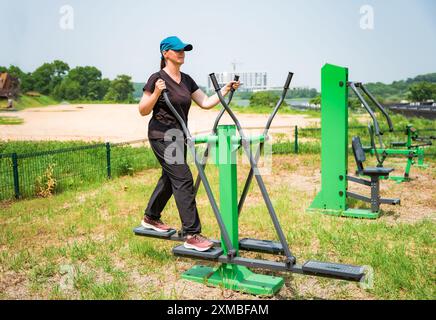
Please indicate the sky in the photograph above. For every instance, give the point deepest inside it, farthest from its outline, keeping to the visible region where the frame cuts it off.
(378, 40)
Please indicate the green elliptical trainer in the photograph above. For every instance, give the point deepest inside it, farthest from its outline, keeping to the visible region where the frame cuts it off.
(233, 270)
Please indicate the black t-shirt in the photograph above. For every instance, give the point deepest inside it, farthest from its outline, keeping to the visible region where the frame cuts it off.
(179, 95)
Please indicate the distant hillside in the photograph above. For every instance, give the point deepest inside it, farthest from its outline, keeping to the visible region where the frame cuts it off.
(398, 90)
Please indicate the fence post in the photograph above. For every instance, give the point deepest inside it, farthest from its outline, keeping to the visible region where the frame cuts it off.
(108, 160)
(15, 173)
(296, 140)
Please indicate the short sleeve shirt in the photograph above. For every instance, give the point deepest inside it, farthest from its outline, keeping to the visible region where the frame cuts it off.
(179, 95)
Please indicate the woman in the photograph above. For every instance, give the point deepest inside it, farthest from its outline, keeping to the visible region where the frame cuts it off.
(176, 177)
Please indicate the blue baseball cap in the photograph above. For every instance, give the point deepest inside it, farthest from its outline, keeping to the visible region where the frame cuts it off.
(174, 43)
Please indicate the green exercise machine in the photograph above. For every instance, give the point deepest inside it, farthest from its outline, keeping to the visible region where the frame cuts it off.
(234, 270)
(334, 197)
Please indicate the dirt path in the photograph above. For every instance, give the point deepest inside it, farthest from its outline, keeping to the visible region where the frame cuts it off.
(118, 122)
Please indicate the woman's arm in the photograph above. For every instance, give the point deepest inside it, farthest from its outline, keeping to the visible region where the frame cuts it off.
(148, 99)
(205, 102)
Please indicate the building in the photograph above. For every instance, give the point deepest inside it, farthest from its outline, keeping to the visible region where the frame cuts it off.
(9, 86)
(250, 81)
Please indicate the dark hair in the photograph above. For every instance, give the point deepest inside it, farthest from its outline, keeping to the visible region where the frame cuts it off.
(162, 63)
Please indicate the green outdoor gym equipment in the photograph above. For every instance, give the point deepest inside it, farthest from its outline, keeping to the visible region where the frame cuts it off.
(333, 198)
(233, 271)
(413, 147)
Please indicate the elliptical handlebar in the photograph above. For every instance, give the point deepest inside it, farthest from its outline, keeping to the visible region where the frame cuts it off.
(176, 114)
(290, 259)
(288, 80)
(221, 113)
(378, 104)
(378, 133)
(190, 143)
(279, 103)
(373, 146)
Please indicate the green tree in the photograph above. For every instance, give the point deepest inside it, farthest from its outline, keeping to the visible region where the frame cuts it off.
(67, 90)
(88, 78)
(48, 76)
(316, 100)
(265, 99)
(422, 91)
(121, 89)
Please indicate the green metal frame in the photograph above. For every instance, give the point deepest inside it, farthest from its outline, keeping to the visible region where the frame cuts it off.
(234, 277)
(410, 151)
(332, 198)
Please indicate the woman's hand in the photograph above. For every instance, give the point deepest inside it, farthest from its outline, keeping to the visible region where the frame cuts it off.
(149, 100)
(232, 84)
(159, 86)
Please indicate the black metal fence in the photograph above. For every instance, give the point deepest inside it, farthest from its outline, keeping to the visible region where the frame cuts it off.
(43, 173)
(48, 172)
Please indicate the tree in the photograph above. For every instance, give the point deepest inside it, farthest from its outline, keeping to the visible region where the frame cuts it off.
(265, 98)
(48, 76)
(121, 89)
(316, 100)
(84, 76)
(67, 90)
(422, 91)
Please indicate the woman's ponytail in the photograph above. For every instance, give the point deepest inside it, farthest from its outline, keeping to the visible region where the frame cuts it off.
(162, 63)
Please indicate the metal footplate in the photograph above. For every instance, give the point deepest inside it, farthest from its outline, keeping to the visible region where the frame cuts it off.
(334, 270)
(211, 254)
(266, 246)
(394, 201)
(141, 231)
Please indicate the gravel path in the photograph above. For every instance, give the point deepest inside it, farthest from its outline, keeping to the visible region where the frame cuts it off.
(119, 122)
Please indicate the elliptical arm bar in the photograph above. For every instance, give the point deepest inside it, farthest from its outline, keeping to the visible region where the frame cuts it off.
(367, 107)
(191, 146)
(214, 128)
(381, 108)
(279, 103)
(290, 259)
(265, 133)
(373, 146)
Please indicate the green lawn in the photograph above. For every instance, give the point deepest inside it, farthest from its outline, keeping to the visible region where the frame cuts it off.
(79, 244)
(10, 120)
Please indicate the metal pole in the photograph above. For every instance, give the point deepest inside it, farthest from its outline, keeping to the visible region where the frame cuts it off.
(265, 133)
(191, 145)
(245, 144)
(214, 131)
(108, 160)
(15, 175)
(296, 140)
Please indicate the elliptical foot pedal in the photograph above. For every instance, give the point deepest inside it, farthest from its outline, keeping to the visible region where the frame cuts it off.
(266, 246)
(334, 270)
(141, 231)
(390, 201)
(211, 254)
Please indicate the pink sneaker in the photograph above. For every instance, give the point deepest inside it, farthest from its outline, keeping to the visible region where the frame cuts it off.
(156, 225)
(197, 242)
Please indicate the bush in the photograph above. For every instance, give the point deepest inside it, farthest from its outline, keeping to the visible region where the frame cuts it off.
(265, 98)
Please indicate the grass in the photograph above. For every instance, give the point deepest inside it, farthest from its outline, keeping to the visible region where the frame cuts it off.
(283, 110)
(25, 102)
(47, 172)
(10, 120)
(80, 245)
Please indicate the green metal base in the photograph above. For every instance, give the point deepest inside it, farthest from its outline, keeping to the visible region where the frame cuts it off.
(236, 278)
(350, 212)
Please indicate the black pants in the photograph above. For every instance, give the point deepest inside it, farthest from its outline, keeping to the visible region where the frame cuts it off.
(176, 180)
